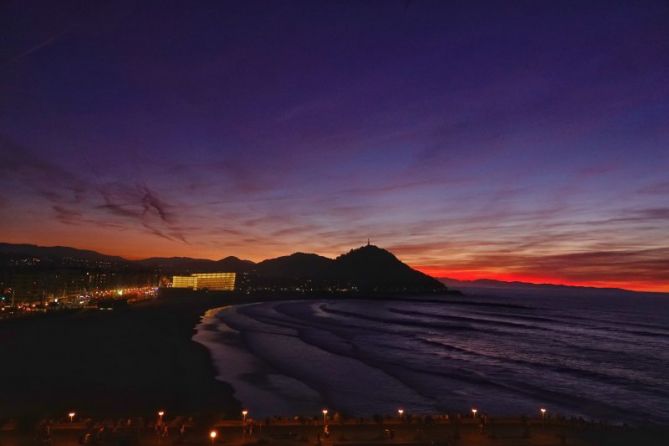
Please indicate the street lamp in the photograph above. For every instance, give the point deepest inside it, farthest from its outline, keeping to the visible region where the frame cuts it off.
(400, 412)
(213, 435)
(325, 417)
(160, 416)
(543, 412)
(71, 415)
(474, 412)
(244, 414)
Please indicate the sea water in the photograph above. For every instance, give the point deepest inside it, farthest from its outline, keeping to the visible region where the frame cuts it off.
(597, 357)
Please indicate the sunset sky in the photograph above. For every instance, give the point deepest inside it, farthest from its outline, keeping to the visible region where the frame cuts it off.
(525, 141)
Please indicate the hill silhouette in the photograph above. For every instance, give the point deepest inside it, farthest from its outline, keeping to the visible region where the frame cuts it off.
(63, 256)
(368, 269)
(55, 254)
(183, 265)
(296, 266)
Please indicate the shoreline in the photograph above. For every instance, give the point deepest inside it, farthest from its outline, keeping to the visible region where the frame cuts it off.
(261, 388)
(571, 409)
(128, 362)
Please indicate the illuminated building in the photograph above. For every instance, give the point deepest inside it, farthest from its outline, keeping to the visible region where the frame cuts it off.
(184, 282)
(206, 281)
(215, 281)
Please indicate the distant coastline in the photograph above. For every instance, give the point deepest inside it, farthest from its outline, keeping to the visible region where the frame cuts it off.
(545, 288)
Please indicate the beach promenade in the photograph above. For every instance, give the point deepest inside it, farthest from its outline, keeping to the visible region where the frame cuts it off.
(351, 432)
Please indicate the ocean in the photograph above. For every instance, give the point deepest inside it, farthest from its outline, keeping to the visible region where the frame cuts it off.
(598, 357)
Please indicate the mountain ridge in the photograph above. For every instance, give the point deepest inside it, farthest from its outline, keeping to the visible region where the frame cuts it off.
(62, 251)
(365, 269)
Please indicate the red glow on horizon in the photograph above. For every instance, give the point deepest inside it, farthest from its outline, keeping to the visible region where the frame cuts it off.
(471, 275)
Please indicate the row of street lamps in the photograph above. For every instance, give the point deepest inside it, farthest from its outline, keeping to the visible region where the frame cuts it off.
(475, 411)
(214, 434)
(400, 412)
(245, 412)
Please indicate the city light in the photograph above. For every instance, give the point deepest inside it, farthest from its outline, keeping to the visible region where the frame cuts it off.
(474, 411)
(213, 435)
(71, 415)
(400, 412)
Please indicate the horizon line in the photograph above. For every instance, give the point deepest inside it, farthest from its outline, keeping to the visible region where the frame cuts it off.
(436, 273)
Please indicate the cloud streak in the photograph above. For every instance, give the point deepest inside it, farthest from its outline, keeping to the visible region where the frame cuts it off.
(75, 200)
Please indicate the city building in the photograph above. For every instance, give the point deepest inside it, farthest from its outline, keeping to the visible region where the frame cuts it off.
(206, 281)
(184, 282)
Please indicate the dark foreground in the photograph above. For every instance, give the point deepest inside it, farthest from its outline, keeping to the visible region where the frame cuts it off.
(507, 432)
(111, 363)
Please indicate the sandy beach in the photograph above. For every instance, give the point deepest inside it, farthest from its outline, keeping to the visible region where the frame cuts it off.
(112, 363)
